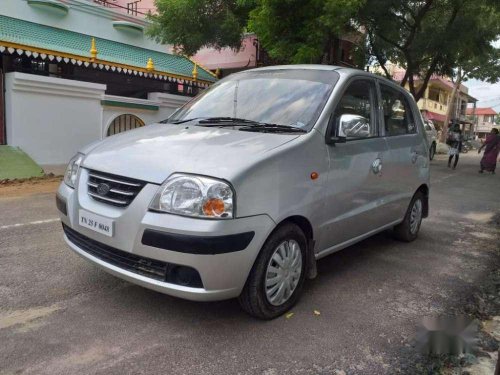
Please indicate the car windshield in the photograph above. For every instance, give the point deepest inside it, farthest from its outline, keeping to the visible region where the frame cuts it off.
(292, 97)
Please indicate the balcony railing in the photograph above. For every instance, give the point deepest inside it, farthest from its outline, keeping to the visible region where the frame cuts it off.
(484, 127)
(433, 106)
(131, 7)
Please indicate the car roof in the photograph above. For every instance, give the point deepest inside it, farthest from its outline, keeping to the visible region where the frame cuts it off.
(298, 66)
(343, 71)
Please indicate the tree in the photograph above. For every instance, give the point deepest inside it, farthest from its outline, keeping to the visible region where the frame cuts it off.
(425, 37)
(192, 24)
(302, 31)
(428, 37)
(478, 63)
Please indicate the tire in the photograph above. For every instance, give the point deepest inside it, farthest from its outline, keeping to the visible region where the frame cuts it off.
(254, 298)
(407, 231)
(432, 151)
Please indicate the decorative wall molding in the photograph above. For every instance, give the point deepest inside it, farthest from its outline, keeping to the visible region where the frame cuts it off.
(168, 100)
(13, 49)
(50, 5)
(128, 26)
(56, 86)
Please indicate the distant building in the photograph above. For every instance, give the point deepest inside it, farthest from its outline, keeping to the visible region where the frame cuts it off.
(131, 7)
(484, 118)
(74, 71)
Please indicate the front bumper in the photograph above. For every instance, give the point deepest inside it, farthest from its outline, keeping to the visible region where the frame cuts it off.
(223, 273)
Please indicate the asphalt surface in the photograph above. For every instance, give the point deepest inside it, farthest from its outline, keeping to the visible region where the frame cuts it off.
(61, 315)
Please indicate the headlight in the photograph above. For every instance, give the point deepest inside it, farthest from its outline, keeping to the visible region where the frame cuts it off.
(72, 170)
(196, 196)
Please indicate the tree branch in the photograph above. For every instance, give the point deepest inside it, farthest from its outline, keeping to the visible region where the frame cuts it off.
(405, 77)
(428, 75)
(435, 60)
(417, 21)
(411, 83)
(377, 55)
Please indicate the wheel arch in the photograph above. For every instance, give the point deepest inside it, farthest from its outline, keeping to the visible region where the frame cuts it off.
(302, 222)
(424, 189)
(305, 225)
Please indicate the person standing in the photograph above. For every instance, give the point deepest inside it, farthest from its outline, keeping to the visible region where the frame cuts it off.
(454, 140)
(492, 148)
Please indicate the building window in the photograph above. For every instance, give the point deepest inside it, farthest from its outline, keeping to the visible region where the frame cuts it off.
(434, 95)
(123, 123)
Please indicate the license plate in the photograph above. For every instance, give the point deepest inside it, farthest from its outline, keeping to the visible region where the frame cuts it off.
(96, 223)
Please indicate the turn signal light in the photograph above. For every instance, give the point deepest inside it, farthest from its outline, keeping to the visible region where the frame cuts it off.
(213, 207)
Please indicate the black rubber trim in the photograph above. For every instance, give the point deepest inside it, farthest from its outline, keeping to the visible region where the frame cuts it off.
(208, 245)
(151, 268)
(61, 205)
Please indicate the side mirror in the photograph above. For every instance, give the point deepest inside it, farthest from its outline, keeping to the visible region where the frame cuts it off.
(349, 126)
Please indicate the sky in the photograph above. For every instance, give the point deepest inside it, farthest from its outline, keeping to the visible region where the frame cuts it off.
(488, 94)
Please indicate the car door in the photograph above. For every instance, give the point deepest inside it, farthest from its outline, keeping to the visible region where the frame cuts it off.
(356, 190)
(407, 161)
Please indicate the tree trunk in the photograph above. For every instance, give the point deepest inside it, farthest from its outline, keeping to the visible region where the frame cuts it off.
(451, 100)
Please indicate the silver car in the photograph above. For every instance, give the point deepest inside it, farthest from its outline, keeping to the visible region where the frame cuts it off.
(244, 188)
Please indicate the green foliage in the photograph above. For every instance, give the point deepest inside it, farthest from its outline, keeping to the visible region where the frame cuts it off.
(432, 36)
(301, 31)
(425, 37)
(192, 24)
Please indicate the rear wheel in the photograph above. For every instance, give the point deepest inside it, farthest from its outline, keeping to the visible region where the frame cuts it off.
(408, 229)
(432, 151)
(276, 279)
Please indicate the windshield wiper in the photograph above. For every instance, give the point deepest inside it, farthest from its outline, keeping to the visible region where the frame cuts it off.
(180, 121)
(226, 120)
(248, 125)
(212, 120)
(272, 128)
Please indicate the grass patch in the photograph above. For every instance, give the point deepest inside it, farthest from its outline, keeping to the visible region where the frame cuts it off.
(15, 164)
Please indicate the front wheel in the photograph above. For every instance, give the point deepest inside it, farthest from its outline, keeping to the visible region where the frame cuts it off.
(276, 279)
(407, 231)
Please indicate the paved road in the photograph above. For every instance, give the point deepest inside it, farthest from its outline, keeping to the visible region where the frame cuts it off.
(61, 315)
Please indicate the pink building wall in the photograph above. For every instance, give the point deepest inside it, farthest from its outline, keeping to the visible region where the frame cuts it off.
(143, 6)
(226, 58)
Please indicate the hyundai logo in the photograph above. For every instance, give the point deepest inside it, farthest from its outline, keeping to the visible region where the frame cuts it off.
(103, 189)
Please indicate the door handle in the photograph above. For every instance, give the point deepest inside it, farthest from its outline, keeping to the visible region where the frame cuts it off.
(377, 166)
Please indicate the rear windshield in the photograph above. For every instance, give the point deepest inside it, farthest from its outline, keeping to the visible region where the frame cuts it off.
(293, 97)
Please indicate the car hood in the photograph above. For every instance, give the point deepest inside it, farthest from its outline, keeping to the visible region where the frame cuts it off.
(154, 152)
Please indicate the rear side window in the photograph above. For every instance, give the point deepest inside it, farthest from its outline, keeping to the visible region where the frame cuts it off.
(354, 114)
(398, 118)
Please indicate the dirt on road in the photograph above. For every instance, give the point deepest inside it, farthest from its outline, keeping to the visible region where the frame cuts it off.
(19, 188)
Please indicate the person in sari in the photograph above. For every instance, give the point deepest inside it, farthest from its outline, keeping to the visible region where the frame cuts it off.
(491, 149)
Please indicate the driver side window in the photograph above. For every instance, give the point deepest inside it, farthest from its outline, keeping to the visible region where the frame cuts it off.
(355, 115)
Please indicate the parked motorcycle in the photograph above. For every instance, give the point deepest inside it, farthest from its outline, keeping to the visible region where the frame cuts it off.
(467, 146)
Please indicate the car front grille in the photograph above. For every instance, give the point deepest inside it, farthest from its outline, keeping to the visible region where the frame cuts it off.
(111, 189)
(152, 268)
